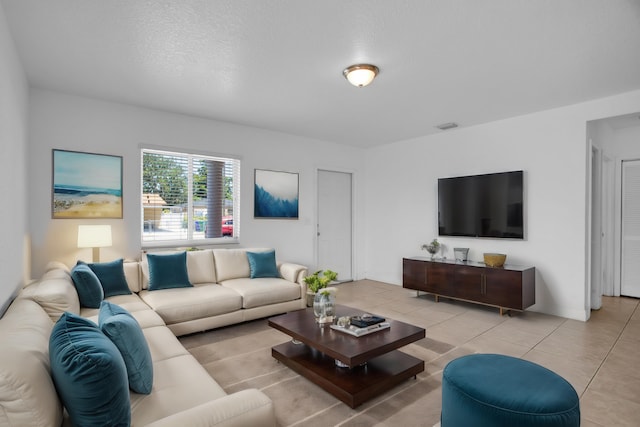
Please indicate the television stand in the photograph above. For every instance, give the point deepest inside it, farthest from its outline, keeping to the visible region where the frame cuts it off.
(508, 288)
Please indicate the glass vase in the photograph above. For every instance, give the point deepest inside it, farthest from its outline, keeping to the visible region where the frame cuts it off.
(324, 307)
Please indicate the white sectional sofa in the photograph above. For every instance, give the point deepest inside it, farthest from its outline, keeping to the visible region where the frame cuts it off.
(183, 393)
(223, 292)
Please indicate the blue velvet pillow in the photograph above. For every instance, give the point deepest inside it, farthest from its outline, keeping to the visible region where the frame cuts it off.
(263, 264)
(87, 285)
(111, 276)
(89, 373)
(168, 271)
(125, 332)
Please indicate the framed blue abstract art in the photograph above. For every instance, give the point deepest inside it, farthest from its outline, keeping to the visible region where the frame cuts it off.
(275, 194)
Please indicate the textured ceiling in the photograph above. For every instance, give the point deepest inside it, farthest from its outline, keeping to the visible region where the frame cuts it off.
(278, 64)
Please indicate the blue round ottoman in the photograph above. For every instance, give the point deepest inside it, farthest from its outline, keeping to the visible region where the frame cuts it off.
(492, 390)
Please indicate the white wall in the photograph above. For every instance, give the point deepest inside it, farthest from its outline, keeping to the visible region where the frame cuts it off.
(550, 146)
(396, 200)
(13, 177)
(83, 124)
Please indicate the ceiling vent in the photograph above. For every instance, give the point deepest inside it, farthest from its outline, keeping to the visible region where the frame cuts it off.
(447, 126)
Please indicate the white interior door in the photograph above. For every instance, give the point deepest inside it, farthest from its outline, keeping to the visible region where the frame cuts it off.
(335, 223)
(630, 259)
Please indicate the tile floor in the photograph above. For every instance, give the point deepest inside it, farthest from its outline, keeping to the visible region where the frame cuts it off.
(600, 357)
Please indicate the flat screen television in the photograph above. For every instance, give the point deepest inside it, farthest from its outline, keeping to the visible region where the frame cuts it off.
(489, 205)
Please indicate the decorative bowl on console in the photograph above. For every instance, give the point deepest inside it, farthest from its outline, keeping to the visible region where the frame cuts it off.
(494, 260)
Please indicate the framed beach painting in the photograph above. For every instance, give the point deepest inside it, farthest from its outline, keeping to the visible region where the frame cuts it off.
(86, 185)
(275, 194)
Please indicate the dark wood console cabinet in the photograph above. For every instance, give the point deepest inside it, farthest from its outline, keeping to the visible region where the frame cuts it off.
(510, 287)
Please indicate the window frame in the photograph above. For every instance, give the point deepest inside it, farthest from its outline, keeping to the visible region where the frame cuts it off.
(191, 155)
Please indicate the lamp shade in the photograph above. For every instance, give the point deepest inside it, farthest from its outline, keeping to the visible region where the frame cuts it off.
(94, 236)
(361, 75)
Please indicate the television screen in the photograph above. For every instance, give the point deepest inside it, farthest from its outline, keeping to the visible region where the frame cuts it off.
(488, 205)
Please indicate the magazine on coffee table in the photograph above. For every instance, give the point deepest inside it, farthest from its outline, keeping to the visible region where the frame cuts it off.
(358, 332)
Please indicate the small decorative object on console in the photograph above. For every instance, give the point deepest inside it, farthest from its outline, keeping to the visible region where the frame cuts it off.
(432, 247)
(494, 260)
(461, 253)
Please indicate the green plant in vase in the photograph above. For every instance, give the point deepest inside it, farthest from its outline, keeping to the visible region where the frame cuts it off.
(316, 281)
(432, 247)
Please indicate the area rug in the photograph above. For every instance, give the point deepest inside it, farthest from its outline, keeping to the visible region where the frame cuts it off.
(239, 357)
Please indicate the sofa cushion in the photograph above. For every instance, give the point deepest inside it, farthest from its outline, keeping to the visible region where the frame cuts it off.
(27, 394)
(262, 264)
(56, 265)
(180, 383)
(125, 332)
(132, 303)
(111, 276)
(231, 264)
(89, 373)
(200, 266)
(197, 302)
(264, 291)
(163, 344)
(132, 275)
(88, 285)
(168, 271)
(55, 295)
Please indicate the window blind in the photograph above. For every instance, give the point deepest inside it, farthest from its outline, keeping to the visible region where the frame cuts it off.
(188, 198)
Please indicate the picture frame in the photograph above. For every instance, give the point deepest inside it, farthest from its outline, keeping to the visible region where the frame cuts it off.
(85, 185)
(276, 194)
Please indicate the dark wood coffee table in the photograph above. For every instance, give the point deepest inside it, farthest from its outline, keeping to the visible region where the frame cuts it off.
(374, 363)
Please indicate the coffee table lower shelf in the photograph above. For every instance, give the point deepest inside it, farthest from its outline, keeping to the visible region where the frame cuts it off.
(352, 386)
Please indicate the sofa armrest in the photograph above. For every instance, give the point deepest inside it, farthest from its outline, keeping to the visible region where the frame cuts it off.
(292, 272)
(245, 408)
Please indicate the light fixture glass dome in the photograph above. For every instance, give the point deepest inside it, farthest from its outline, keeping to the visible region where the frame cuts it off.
(361, 75)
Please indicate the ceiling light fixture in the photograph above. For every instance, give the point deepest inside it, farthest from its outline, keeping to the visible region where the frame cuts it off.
(361, 75)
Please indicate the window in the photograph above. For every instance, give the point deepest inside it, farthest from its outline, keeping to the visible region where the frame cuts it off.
(189, 198)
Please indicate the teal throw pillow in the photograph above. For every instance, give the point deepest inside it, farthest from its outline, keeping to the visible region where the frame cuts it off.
(111, 276)
(263, 264)
(89, 373)
(87, 285)
(125, 332)
(168, 271)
